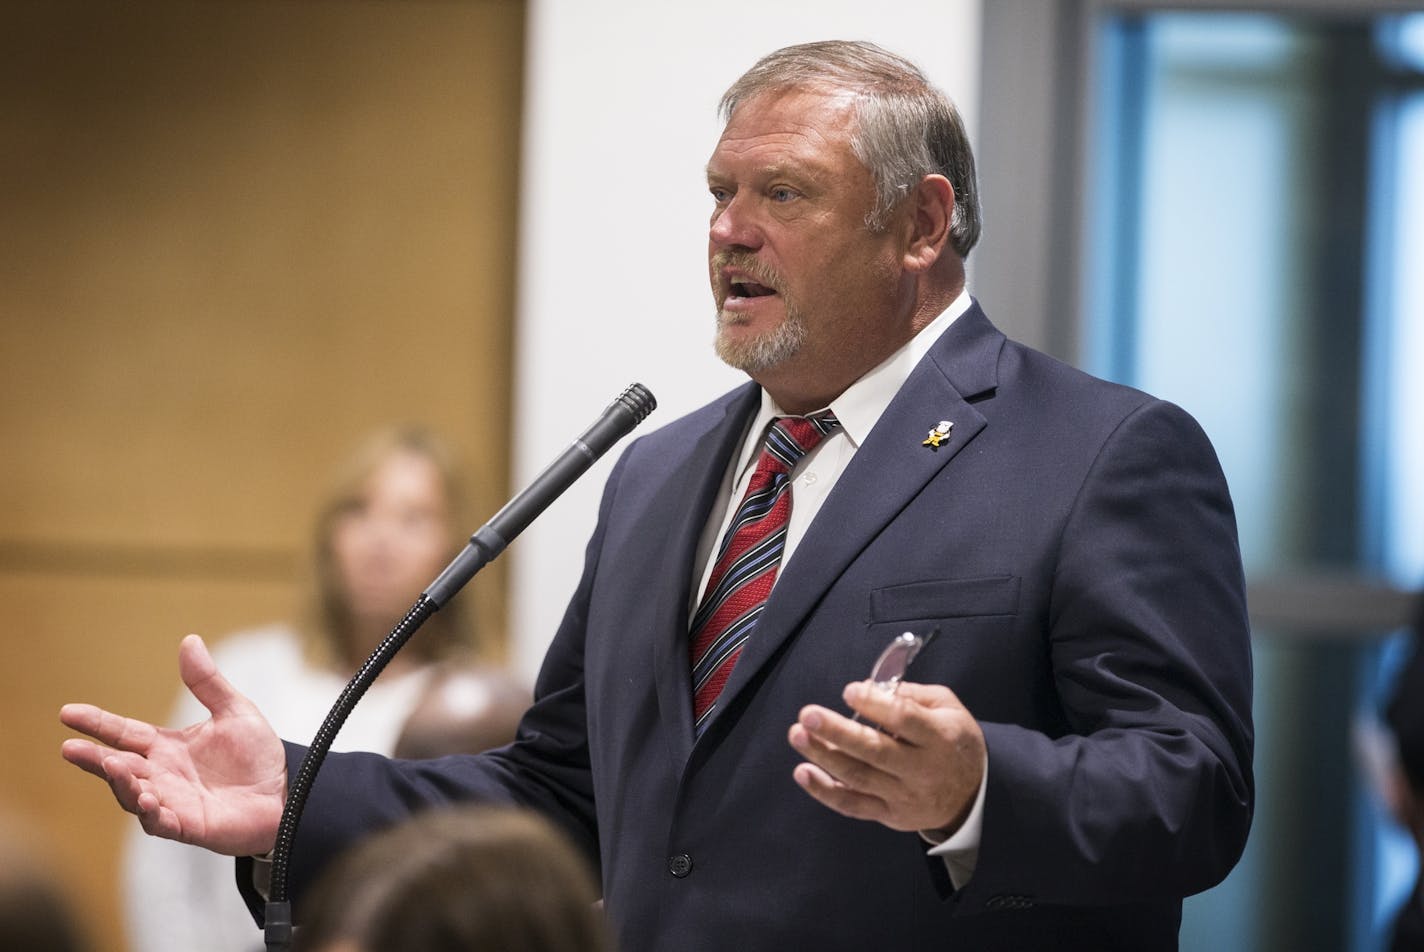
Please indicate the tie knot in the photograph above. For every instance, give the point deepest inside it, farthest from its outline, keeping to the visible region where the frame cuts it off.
(790, 438)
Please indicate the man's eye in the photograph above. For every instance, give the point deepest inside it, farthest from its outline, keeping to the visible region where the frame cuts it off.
(720, 195)
(782, 194)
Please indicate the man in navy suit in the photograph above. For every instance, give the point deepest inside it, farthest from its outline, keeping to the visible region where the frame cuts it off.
(1071, 753)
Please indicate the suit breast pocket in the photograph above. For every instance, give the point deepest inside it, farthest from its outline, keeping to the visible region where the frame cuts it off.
(945, 599)
(973, 620)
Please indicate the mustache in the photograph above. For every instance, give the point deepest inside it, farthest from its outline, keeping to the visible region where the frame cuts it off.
(750, 265)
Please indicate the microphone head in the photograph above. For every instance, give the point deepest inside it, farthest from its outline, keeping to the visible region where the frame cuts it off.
(638, 400)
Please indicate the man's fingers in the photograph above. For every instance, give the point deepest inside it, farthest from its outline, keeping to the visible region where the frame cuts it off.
(837, 796)
(158, 820)
(202, 676)
(128, 775)
(86, 755)
(849, 767)
(929, 695)
(909, 713)
(834, 731)
(122, 733)
(129, 781)
(125, 773)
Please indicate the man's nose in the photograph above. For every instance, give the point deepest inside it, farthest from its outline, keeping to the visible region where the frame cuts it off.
(735, 225)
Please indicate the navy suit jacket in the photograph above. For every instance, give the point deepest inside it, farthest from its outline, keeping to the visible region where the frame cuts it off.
(1074, 544)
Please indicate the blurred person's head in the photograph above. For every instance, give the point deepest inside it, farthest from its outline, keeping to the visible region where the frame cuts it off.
(390, 522)
(467, 879)
(35, 916)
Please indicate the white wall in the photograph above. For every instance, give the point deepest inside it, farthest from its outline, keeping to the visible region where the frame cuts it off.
(620, 118)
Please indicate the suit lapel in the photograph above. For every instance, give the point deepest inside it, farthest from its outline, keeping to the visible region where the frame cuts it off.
(889, 469)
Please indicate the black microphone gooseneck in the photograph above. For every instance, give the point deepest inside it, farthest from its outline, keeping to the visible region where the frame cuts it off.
(629, 409)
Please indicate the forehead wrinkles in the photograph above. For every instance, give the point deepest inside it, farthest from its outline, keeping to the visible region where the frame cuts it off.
(773, 154)
(804, 127)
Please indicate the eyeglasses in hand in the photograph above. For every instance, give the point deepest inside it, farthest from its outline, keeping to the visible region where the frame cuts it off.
(889, 669)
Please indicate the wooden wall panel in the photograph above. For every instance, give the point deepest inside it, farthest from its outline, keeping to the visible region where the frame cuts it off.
(111, 641)
(234, 237)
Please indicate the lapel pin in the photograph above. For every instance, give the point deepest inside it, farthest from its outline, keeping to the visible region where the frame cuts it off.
(938, 435)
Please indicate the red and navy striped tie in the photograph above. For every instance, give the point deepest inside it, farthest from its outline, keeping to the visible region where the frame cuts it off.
(748, 559)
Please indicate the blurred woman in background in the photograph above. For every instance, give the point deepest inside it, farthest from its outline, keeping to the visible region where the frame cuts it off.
(389, 524)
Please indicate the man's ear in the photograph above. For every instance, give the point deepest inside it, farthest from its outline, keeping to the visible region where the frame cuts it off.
(931, 209)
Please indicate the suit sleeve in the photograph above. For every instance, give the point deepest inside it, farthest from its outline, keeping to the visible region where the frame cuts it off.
(1149, 792)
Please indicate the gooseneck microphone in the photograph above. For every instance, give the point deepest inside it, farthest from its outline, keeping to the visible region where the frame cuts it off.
(629, 409)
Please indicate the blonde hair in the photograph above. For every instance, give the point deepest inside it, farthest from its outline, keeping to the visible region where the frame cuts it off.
(326, 631)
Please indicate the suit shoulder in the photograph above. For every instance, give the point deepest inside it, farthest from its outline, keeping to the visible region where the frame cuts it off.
(1057, 378)
(698, 423)
(989, 368)
(1050, 396)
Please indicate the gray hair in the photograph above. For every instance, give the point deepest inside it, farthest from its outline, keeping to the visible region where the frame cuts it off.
(905, 129)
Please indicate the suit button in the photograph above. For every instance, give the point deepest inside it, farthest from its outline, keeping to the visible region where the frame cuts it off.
(680, 865)
(998, 903)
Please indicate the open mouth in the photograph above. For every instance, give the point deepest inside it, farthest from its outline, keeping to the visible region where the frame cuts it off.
(750, 289)
(741, 287)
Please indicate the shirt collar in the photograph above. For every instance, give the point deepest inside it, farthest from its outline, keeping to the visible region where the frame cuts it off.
(860, 406)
